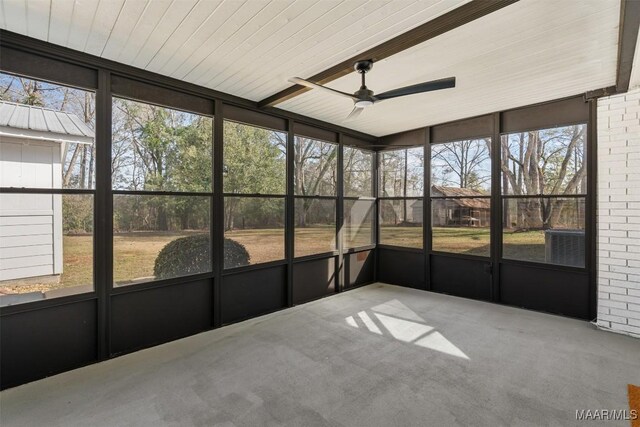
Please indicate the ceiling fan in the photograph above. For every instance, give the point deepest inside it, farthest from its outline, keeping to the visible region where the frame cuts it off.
(364, 97)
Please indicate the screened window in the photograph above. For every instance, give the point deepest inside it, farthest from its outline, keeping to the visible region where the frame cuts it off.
(59, 124)
(358, 172)
(161, 173)
(160, 149)
(544, 188)
(315, 167)
(315, 177)
(461, 197)
(255, 160)
(256, 223)
(315, 226)
(462, 165)
(358, 222)
(461, 225)
(254, 163)
(359, 203)
(560, 240)
(546, 161)
(401, 222)
(159, 237)
(401, 173)
(47, 144)
(401, 183)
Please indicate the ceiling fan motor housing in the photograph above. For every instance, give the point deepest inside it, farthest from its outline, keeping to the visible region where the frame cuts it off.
(364, 94)
(363, 66)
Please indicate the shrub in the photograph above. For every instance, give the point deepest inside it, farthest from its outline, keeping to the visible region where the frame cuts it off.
(191, 255)
(235, 254)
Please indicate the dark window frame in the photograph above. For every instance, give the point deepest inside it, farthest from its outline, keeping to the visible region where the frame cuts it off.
(142, 89)
(380, 199)
(309, 133)
(372, 197)
(241, 116)
(431, 198)
(588, 196)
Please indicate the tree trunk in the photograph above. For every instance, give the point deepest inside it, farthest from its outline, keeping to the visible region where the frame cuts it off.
(83, 166)
(163, 222)
(67, 174)
(92, 156)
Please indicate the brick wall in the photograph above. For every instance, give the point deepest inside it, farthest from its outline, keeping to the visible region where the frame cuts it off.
(619, 213)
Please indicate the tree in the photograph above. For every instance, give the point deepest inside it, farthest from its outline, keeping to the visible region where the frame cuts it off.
(543, 162)
(402, 175)
(358, 171)
(315, 172)
(462, 164)
(254, 163)
(160, 149)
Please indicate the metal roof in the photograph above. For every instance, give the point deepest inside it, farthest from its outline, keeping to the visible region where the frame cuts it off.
(40, 119)
(441, 190)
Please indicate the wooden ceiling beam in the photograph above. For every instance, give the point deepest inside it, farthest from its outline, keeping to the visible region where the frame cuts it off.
(449, 21)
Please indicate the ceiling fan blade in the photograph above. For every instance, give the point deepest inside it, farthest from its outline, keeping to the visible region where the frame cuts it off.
(418, 88)
(354, 114)
(307, 83)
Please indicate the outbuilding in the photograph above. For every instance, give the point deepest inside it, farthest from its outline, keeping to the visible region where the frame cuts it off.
(33, 145)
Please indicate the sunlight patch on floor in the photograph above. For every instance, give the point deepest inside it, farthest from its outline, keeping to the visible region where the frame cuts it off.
(395, 320)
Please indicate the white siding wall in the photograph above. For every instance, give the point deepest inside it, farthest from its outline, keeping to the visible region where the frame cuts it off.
(30, 225)
(619, 213)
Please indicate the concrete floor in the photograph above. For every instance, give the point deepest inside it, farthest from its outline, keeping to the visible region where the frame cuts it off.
(376, 356)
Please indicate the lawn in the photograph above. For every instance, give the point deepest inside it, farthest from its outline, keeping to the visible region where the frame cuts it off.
(525, 245)
(408, 237)
(134, 257)
(268, 244)
(135, 253)
(462, 240)
(355, 236)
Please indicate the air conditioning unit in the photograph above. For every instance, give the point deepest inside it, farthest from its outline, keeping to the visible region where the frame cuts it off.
(565, 247)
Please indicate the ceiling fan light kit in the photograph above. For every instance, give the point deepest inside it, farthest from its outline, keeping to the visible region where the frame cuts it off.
(364, 97)
(363, 103)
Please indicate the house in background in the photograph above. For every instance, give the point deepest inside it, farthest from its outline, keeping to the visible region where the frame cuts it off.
(460, 210)
(33, 144)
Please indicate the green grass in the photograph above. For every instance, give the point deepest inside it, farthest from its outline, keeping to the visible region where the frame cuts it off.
(408, 237)
(528, 245)
(358, 236)
(464, 240)
(525, 245)
(135, 253)
(77, 262)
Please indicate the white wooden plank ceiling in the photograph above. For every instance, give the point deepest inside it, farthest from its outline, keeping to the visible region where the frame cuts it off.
(247, 48)
(532, 51)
